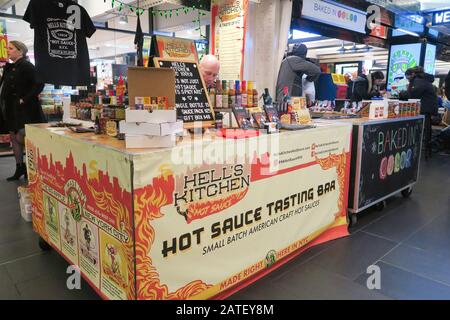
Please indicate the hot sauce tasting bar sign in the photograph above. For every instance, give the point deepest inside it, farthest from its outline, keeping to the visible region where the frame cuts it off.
(146, 227)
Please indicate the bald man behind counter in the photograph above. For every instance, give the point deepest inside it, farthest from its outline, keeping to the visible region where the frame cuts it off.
(209, 67)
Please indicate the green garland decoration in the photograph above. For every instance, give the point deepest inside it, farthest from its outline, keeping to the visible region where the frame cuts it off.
(168, 13)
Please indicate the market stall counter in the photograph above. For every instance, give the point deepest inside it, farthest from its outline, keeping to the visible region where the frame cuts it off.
(198, 221)
(385, 160)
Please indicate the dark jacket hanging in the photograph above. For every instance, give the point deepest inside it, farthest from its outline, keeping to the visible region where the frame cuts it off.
(19, 82)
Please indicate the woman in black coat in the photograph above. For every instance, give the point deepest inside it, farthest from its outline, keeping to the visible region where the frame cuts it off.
(421, 87)
(19, 100)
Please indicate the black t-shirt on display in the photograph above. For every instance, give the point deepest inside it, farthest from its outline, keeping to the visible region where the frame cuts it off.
(61, 51)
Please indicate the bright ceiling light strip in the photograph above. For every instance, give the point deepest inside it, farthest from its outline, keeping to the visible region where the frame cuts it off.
(408, 32)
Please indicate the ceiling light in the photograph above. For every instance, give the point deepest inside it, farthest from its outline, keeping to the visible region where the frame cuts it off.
(408, 32)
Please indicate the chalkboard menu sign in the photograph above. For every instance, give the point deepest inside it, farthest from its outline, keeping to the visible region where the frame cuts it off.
(191, 97)
(390, 154)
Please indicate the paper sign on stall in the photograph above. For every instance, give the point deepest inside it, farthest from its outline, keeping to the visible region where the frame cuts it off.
(379, 109)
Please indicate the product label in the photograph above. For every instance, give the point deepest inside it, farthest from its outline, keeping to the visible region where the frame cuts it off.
(62, 41)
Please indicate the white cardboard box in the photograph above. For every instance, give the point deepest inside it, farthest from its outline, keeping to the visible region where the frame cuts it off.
(143, 141)
(157, 116)
(151, 129)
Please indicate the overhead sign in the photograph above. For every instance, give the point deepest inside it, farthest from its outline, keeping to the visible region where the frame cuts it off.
(441, 17)
(379, 31)
(335, 15)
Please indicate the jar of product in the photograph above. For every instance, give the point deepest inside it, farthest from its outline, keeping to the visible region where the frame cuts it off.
(111, 128)
(120, 113)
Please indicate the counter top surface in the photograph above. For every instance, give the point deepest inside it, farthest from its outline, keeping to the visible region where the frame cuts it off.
(119, 145)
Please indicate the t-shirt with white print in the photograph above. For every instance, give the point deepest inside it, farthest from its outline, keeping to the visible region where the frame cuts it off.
(60, 48)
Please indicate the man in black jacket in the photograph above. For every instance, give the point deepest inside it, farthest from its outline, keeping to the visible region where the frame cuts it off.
(421, 87)
(292, 70)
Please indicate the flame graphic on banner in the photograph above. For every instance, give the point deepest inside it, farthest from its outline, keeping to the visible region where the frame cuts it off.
(103, 193)
(338, 161)
(106, 202)
(36, 197)
(148, 202)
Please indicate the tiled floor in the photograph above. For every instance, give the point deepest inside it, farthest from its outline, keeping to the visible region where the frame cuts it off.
(409, 241)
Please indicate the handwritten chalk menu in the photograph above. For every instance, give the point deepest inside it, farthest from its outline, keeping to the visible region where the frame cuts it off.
(390, 153)
(191, 97)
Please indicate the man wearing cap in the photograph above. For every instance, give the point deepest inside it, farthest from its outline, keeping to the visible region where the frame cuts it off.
(292, 70)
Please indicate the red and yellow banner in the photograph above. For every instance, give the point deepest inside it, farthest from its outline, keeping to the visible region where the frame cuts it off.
(198, 221)
(82, 206)
(205, 230)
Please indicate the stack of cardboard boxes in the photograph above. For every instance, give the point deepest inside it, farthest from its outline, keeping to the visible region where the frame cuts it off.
(152, 127)
(145, 129)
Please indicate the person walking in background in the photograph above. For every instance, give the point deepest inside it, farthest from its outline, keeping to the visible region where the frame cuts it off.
(19, 101)
(421, 87)
(292, 69)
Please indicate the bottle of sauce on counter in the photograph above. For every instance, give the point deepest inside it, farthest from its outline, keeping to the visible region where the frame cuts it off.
(231, 95)
(238, 94)
(250, 95)
(244, 94)
(255, 95)
(219, 95)
(224, 94)
(212, 97)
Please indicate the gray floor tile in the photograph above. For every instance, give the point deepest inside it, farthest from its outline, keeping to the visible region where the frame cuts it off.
(421, 262)
(36, 266)
(311, 281)
(53, 287)
(16, 232)
(401, 284)
(18, 249)
(366, 218)
(393, 225)
(351, 256)
(435, 237)
(7, 289)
